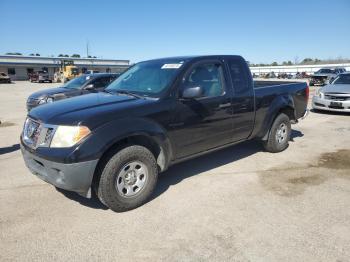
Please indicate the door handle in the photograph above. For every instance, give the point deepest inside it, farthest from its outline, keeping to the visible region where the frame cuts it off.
(222, 106)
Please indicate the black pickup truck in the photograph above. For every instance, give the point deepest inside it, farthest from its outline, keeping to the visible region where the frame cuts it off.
(157, 113)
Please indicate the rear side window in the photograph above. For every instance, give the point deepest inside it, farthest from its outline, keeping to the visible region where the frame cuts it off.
(239, 77)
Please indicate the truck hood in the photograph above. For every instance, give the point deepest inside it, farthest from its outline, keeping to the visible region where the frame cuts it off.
(336, 89)
(90, 110)
(49, 92)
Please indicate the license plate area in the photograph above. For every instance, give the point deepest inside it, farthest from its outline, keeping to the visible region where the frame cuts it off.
(336, 105)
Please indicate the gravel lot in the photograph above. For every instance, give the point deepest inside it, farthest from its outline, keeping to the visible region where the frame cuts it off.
(238, 204)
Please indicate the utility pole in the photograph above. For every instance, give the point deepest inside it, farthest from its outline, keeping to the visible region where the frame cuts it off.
(87, 48)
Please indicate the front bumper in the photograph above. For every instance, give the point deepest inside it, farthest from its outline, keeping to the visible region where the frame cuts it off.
(325, 104)
(75, 177)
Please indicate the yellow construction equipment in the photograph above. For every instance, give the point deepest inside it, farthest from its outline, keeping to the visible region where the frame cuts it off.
(67, 71)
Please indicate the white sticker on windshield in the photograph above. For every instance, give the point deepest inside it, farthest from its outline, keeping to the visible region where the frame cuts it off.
(171, 66)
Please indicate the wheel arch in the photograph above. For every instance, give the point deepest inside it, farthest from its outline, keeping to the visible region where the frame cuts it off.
(281, 105)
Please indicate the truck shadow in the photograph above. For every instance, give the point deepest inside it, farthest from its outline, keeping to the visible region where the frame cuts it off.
(92, 202)
(184, 170)
(181, 171)
(9, 149)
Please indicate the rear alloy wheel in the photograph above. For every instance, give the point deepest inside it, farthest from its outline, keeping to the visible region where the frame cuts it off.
(279, 135)
(128, 178)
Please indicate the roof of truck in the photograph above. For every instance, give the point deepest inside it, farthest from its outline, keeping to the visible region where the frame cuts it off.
(186, 58)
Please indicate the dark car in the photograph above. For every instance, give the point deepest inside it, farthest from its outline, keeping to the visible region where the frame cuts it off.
(40, 77)
(4, 78)
(158, 113)
(81, 85)
(325, 75)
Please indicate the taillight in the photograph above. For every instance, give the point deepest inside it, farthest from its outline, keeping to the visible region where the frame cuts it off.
(307, 93)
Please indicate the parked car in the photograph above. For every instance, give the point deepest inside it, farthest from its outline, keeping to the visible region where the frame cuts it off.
(81, 85)
(158, 113)
(325, 75)
(334, 96)
(40, 77)
(284, 76)
(4, 78)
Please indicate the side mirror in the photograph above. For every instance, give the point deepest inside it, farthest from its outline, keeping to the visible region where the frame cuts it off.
(89, 87)
(192, 92)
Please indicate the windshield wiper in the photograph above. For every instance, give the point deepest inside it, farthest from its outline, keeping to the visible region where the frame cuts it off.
(125, 92)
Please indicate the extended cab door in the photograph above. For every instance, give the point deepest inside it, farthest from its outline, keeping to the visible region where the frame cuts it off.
(243, 100)
(205, 122)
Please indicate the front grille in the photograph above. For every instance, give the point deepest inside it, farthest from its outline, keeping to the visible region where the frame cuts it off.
(337, 97)
(36, 134)
(31, 132)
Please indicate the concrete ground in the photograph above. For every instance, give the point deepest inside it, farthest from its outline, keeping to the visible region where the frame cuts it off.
(238, 204)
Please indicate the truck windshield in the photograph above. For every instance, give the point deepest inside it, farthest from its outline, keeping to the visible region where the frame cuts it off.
(148, 78)
(74, 71)
(342, 80)
(77, 82)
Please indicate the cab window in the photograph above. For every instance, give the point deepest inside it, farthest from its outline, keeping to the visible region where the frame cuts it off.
(208, 76)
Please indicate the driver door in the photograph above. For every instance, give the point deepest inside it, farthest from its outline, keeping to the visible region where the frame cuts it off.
(205, 122)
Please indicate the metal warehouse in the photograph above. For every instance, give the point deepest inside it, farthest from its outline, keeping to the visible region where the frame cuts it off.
(18, 67)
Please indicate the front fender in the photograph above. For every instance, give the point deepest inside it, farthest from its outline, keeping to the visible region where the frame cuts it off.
(104, 137)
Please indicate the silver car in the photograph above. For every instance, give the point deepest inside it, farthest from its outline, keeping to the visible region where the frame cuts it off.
(334, 96)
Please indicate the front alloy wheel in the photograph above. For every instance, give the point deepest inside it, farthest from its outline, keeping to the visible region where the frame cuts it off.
(128, 177)
(131, 179)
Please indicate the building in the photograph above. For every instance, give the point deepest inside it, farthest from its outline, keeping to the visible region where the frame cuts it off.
(293, 69)
(18, 67)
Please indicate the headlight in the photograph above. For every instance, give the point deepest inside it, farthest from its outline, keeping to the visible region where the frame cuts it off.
(49, 100)
(67, 136)
(45, 100)
(319, 93)
(42, 101)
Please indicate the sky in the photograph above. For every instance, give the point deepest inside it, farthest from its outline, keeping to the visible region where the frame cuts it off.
(261, 31)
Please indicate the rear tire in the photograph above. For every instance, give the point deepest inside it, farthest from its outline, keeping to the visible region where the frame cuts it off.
(279, 134)
(128, 178)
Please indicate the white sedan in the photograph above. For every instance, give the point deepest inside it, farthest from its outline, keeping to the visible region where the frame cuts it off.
(334, 96)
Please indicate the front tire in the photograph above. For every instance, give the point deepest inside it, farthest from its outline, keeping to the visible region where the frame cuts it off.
(128, 178)
(279, 135)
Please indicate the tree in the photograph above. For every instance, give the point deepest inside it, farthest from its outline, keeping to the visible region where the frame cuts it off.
(37, 54)
(307, 61)
(13, 53)
(75, 55)
(31, 54)
(274, 64)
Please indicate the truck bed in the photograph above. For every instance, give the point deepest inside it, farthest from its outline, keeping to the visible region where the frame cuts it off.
(262, 83)
(269, 93)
